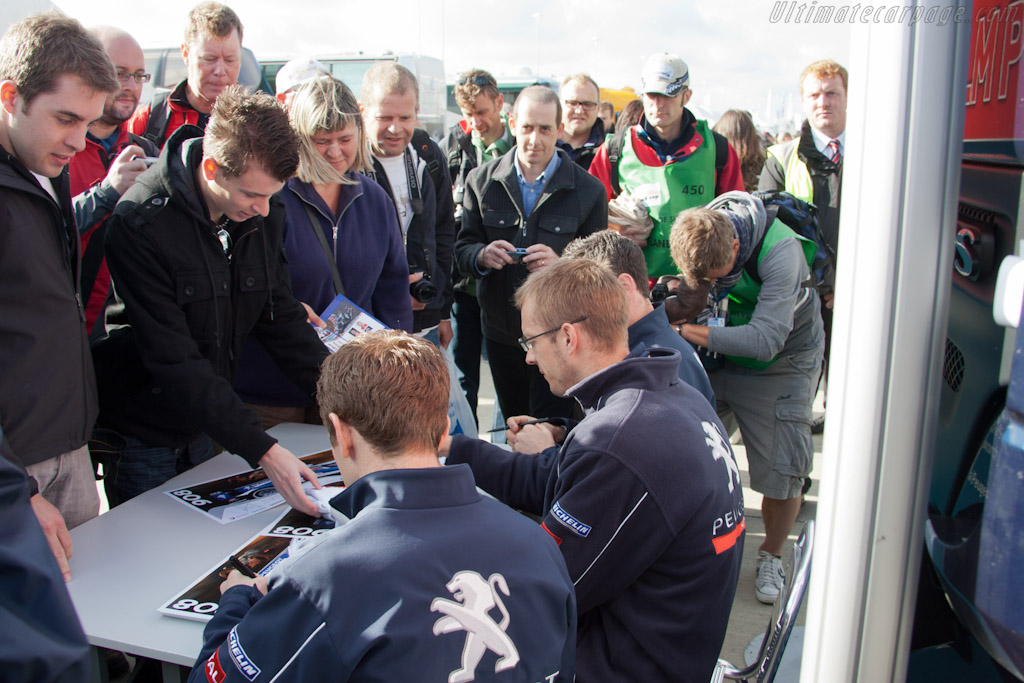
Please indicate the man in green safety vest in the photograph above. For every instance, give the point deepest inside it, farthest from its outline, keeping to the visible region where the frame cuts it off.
(766, 328)
(670, 160)
(811, 166)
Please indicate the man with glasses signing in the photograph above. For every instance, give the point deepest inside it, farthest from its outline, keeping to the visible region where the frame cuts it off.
(670, 160)
(643, 497)
(111, 161)
(582, 130)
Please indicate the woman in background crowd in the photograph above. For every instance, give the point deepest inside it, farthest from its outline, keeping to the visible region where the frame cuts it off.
(630, 115)
(738, 128)
(361, 241)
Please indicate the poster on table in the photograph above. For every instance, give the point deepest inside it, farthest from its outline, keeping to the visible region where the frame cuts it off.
(287, 536)
(251, 492)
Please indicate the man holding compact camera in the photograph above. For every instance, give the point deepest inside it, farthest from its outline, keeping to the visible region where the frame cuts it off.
(111, 161)
(519, 212)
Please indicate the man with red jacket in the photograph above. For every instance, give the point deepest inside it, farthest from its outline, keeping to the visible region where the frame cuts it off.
(670, 160)
(111, 161)
(213, 55)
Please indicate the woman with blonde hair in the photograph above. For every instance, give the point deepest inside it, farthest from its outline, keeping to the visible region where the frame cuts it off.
(341, 237)
(738, 128)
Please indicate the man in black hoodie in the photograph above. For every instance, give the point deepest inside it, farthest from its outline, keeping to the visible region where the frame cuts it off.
(197, 264)
(54, 79)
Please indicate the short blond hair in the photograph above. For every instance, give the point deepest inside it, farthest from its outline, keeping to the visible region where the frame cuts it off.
(391, 387)
(325, 104)
(387, 78)
(573, 288)
(583, 79)
(701, 241)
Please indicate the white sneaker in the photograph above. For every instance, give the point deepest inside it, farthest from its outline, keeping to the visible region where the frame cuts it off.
(769, 578)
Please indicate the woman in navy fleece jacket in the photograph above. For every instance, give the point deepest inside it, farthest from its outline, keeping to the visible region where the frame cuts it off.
(358, 220)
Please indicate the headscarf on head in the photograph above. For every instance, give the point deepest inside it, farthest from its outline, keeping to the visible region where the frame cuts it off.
(748, 218)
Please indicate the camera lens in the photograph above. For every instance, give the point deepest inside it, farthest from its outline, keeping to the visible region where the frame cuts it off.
(423, 291)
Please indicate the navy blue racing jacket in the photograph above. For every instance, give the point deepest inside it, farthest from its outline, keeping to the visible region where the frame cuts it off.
(429, 581)
(645, 502)
(42, 638)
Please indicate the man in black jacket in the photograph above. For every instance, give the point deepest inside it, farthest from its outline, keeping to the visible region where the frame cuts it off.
(411, 167)
(520, 212)
(195, 255)
(54, 79)
(481, 135)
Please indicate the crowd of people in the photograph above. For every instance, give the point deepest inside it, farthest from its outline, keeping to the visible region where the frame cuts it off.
(163, 269)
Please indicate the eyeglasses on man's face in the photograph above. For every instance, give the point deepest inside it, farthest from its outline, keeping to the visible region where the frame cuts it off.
(585, 105)
(139, 77)
(527, 342)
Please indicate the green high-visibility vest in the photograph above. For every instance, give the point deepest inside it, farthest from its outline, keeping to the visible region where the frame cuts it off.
(743, 295)
(669, 190)
(798, 178)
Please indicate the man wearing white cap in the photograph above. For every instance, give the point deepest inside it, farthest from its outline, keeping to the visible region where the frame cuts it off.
(294, 73)
(670, 160)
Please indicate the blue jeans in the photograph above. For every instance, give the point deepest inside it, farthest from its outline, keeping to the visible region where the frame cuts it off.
(467, 345)
(141, 467)
(434, 337)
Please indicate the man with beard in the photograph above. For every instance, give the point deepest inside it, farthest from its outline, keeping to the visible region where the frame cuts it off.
(111, 161)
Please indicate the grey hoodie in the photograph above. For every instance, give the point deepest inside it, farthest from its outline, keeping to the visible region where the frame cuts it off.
(787, 317)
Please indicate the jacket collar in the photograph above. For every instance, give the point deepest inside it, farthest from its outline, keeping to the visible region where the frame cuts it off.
(808, 151)
(15, 175)
(409, 489)
(505, 173)
(652, 369)
(308, 194)
(649, 325)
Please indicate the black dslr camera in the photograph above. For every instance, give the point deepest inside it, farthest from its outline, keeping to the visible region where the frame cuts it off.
(423, 290)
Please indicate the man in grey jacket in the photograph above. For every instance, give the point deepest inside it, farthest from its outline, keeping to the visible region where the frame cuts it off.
(770, 338)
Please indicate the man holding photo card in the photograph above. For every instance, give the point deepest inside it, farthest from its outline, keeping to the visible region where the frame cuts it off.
(195, 253)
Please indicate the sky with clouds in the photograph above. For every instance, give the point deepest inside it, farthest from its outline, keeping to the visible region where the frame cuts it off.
(737, 55)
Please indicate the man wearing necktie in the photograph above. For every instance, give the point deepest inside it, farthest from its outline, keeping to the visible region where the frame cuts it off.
(811, 166)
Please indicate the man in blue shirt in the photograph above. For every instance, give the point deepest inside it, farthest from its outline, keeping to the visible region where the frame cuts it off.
(519, 212)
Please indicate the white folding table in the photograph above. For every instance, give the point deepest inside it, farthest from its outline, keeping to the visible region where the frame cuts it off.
(129, 561)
